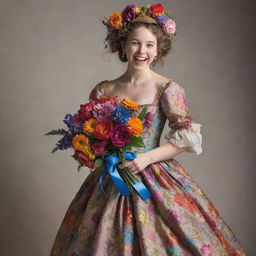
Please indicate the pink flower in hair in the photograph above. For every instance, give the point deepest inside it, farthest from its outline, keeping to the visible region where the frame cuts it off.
(169, 26)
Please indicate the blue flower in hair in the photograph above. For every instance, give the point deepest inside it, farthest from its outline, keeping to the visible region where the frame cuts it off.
(162, 18)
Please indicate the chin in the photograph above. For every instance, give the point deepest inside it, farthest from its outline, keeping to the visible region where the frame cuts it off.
(141, 66)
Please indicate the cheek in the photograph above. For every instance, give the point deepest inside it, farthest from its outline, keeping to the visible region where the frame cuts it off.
(131, 51)
(152, 54)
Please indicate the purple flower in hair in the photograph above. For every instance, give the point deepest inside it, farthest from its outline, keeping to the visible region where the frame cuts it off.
(162, 18)
(129, 13)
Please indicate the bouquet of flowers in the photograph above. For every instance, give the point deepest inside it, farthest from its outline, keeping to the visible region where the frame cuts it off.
(103, 133)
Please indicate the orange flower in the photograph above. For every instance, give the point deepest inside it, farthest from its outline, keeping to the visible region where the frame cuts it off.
(185, 202)
(79, 142)
(172, 239)
(135, 126)
(115, 20)
(212, 209)
(128, 214)
(103, 129)
(127, 103)
(90, 125)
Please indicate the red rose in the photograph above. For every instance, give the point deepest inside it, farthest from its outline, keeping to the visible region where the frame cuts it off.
(85, 111)
(155, 10)
(106, 99)
(83, 158)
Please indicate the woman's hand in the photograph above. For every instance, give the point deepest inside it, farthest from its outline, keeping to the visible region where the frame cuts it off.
(138, 164)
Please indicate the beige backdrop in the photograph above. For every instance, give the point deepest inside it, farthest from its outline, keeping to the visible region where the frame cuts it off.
(52, 55)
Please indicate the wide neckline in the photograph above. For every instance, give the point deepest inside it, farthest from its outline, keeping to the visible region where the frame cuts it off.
(154, 103)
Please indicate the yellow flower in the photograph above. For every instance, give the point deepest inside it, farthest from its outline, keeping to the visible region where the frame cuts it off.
(88, 151)
(200, 191)
(90, 125)
(135, 126)
(79, 142)
(127, 103)
(137, 9)
(143, 217)
(115, 20)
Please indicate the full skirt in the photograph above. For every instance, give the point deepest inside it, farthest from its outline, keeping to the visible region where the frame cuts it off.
(178, 219)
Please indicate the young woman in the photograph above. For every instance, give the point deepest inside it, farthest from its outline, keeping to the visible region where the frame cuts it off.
(178, 219)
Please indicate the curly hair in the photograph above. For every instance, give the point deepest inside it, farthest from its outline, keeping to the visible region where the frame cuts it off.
(164, 41)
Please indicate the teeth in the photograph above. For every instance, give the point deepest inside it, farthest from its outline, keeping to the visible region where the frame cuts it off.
(139, 58)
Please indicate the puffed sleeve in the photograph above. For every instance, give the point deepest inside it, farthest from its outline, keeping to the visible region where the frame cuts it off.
(184, 131)
(97, 91)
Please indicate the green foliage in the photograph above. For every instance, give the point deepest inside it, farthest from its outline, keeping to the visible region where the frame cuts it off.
(143, 113)
(98, 163)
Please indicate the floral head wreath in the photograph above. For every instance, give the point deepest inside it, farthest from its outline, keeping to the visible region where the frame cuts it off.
(153, 14)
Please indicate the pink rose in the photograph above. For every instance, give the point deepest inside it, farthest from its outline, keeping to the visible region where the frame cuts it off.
(99, 147)
(169, 26)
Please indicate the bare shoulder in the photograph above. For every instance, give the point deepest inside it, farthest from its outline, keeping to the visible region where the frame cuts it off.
(160, 80)
(107, 86)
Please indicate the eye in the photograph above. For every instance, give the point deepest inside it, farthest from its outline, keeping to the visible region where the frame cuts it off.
(133, 43)
(150, 45)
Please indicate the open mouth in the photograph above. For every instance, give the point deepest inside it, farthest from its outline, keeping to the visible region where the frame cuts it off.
(140, 58)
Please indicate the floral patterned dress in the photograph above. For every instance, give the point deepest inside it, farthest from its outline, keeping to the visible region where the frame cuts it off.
(178, 219)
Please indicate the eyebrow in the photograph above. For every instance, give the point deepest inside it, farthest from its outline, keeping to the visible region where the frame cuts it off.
(138, 40)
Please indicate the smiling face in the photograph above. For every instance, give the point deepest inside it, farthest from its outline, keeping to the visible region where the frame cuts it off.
(141, 47)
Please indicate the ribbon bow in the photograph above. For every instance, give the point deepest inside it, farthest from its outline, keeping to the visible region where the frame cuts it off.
(110, 167)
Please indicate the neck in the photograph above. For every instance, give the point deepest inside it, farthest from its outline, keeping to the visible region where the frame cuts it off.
(135, 76)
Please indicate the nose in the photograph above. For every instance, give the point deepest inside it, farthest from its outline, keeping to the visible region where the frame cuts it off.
(142, 48)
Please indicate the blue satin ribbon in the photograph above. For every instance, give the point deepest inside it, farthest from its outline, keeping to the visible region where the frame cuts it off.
(110, 167)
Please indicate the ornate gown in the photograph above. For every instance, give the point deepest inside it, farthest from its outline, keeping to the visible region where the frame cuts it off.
(178, 219)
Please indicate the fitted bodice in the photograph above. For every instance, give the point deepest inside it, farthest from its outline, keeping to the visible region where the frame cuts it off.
(151, 136)
(169, 104)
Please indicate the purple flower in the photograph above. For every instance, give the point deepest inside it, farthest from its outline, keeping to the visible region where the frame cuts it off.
(129, 13)
(65, 142)
(76, 121)
(74, 124)
(206, 249)
(148, 119)
(103, 111)
(67, 120)
(176, 215)
(120, 135)
(162, 18)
